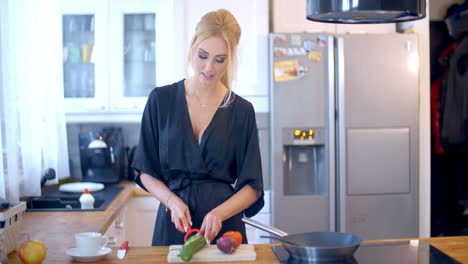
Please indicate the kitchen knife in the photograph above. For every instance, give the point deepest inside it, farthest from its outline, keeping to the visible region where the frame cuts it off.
(122, 250)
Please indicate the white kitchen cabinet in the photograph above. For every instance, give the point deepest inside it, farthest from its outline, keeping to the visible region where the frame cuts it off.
(134, 223)
(116, 231)
(115, 52)
(264, 216)
(140, 218)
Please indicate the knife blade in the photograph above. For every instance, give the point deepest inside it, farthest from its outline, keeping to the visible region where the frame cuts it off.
(122, 250)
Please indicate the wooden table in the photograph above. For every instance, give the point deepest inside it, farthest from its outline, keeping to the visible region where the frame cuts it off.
(56, 230)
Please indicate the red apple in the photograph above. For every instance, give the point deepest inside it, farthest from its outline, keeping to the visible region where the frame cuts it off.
(32, 252)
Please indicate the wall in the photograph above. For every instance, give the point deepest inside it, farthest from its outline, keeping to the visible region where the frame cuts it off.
(438, 8)
(289, 16)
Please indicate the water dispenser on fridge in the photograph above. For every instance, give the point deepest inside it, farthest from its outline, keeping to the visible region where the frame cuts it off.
(303, 162)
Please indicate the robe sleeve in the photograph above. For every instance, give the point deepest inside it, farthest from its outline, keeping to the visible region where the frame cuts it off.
(146, 157)
(249, 163)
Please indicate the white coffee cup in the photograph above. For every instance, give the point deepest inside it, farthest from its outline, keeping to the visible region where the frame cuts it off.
(89, 243)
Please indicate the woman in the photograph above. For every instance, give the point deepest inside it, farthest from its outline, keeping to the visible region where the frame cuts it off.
(198, 152)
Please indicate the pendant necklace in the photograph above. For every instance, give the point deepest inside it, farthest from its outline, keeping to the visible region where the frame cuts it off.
(203, 105)
(200, 103)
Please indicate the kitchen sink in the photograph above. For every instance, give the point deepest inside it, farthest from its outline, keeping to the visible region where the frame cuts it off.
(57, 203)
(55, 200)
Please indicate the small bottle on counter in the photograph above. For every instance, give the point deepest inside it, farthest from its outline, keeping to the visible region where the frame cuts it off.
(87, 200)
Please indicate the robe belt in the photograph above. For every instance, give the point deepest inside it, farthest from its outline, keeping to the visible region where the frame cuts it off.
(182, 184)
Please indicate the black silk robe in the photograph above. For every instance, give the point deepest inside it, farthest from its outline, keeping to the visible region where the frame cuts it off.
(204, 174)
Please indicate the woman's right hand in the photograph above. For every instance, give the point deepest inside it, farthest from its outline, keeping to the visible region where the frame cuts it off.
(180, 213)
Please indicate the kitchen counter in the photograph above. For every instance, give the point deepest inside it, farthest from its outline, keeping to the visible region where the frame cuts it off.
(56, 230)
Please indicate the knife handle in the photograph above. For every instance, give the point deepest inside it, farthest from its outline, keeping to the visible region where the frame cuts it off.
(124, 245)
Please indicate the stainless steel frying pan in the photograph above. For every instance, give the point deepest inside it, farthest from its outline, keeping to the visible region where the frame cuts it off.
(313, 246)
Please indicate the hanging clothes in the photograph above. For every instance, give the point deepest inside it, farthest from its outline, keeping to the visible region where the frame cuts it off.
(454, 107)
(436, 91)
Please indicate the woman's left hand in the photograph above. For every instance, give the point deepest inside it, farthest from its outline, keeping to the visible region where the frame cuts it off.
(211, 225)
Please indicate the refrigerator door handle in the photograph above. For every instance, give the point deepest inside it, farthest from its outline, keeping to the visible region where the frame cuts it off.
(331, 135)
(341, 135)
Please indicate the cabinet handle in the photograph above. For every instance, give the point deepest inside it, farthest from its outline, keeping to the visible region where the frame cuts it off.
(111, 240)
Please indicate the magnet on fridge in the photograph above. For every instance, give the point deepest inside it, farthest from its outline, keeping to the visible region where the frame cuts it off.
(321, 41)
(314, 56)
(300, 51)
(286, 70)
(279, 52)
(280, 39)
(296, 40)
(296, 51)
(308, 44)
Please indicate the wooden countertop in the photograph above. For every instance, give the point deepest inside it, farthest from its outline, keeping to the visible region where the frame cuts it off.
(56, 230)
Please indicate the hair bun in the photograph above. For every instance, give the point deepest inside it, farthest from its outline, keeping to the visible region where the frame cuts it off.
(220, 22)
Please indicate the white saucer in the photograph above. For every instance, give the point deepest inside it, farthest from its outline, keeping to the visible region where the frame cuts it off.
(80, 186)
(73, 252)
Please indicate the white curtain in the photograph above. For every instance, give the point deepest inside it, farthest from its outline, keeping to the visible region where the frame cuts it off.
(33, 125)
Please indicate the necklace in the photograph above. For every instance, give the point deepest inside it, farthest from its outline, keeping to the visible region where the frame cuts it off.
(200, 103)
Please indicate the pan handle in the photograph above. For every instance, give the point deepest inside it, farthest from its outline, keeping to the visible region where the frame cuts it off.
(264, 227)
(284, 240)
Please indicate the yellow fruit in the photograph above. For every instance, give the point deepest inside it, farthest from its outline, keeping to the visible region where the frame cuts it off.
(32, 252)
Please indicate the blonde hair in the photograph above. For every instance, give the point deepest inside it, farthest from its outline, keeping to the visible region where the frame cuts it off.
(223, 24)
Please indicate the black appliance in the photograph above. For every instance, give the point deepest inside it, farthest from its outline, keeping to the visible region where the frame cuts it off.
(381, 252)
(365, 11)
(103, 156)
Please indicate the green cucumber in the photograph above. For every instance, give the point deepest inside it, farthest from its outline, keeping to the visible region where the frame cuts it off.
(193, 245)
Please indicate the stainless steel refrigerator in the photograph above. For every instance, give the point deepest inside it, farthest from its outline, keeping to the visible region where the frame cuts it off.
(344, 133)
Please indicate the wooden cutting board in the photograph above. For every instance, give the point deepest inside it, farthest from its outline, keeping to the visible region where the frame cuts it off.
(212, 254)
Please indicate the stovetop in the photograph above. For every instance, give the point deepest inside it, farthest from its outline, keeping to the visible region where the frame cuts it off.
(401, 252)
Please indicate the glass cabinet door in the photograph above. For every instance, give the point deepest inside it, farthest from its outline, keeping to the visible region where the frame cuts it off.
(78, 64)
(115, 52)
(139, 53)
(84, 43)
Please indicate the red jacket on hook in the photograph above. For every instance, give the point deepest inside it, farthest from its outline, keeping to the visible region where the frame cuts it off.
(436, 89)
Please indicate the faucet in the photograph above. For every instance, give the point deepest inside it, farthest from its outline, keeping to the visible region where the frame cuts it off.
(49, 174)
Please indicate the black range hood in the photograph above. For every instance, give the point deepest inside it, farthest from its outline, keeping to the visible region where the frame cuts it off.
(365, 11)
